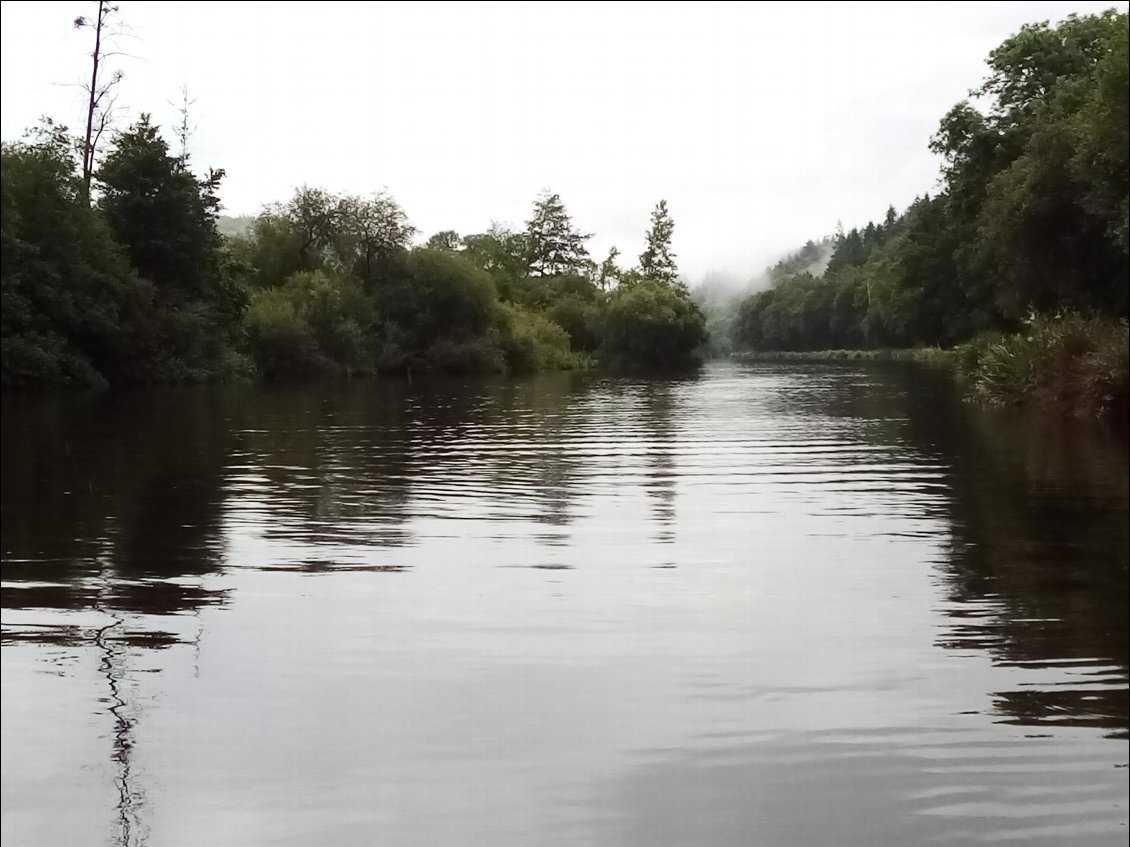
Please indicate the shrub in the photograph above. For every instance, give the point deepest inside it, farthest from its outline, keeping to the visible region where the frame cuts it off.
(650, 325)
(581, 320)
(532, 342)
(1076, 364)
(341, 316)
(282, 343)
(465, 356)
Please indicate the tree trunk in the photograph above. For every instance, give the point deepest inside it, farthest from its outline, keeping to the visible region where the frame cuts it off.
(88, 146)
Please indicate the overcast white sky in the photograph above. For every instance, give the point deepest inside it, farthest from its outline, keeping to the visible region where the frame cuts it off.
(762, 124)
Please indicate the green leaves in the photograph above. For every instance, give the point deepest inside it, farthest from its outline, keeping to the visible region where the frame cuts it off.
(67, 295)
(161, 213)
(650, 325)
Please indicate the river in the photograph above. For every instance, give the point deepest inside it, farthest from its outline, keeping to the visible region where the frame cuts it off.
(772, 604)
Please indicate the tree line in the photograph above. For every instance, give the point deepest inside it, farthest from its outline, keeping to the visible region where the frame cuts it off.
(1031, 217)
(114, 270)
(131, 281)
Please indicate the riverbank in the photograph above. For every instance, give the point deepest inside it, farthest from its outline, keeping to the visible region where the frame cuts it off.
(932, 355)
(1075, 365)
(1069, 364)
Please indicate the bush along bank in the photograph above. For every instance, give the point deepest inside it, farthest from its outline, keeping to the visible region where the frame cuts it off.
(1068, 363)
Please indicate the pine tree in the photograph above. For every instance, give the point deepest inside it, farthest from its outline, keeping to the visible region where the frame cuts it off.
(554, 246)
(657, 261)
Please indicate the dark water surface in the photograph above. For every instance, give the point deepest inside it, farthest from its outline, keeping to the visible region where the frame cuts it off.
(773, 605)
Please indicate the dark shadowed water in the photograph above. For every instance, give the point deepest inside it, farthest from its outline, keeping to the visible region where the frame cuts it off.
(772, 605)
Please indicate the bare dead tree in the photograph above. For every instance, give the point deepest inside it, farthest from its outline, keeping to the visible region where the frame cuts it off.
(185, 128)
(100, 104)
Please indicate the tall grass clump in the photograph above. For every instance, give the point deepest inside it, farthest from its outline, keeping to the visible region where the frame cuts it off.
(1075, 364)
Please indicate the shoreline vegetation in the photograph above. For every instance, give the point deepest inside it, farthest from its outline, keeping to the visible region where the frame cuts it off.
(1018, 264)
(1066, 363)
(118, 268)
(928, 355)
(139, 286)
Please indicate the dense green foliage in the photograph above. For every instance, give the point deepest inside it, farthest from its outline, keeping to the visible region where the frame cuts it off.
(652, 325)
(1065, 362)
(1032, 215)
(141, 286)
(135, 288)
(336, 287)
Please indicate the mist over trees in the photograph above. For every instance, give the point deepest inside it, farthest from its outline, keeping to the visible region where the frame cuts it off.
(1031, 218)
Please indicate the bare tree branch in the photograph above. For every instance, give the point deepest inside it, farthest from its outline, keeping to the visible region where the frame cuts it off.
(97, 117)
(184, 128)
